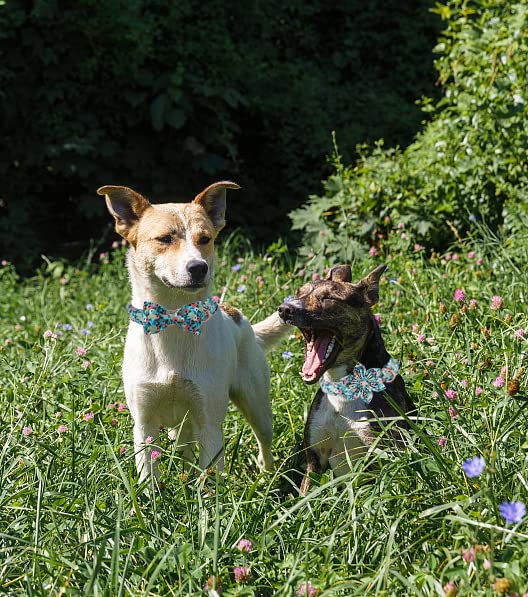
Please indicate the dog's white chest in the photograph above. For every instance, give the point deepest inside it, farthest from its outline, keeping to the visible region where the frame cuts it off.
(338, 429)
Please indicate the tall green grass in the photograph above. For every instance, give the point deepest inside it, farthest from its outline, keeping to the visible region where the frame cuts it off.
(75, 521)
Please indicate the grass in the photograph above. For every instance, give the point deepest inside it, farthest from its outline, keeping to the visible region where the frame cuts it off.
(74, 521)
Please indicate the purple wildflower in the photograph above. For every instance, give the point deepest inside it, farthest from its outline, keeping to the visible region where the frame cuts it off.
(473, 467)
(512, 511)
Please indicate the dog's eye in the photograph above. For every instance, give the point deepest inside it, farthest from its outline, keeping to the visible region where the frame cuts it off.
(204, 240)
(165, 240)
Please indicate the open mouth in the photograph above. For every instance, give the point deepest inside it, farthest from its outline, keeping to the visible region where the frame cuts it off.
(320, 353)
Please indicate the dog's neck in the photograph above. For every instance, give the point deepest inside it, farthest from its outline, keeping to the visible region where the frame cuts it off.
(145, 288)
(370, 353)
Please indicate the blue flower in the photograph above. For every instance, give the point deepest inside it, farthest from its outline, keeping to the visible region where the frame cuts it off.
(288, 299)
(473, 467)
(241, 288)
(472, 218)
(85, 332)
(512, 511)
(68, 327)
(89, 307)
(90, 324)
(236, 267)
(287, 355)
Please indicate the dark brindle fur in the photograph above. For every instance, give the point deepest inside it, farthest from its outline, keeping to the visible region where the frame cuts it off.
(340, 331)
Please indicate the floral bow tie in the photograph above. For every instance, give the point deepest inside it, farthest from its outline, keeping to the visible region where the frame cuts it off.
(190, 318)
(362, 382)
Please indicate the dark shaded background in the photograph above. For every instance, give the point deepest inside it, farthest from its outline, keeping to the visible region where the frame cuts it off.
(167, 97)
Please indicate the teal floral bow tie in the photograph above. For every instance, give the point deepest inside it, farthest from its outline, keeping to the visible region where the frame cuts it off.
(154, 318)
(362, 382)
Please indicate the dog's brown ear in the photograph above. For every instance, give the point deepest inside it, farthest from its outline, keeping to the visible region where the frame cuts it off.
(127, 207)
(370, 285)
(213, 200)
(340, 273)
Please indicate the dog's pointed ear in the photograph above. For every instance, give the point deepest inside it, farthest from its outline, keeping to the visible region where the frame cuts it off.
(340, 273)
(213, 200)
(370, 285)
(127, 207)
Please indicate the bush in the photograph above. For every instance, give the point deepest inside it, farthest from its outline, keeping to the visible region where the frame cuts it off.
(469, 161)
(168, 97)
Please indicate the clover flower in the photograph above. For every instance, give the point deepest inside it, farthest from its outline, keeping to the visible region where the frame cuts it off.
(497, 302)
(520, 334)
(242, 574)
(306, 589)
(512, 511)
(88, 417)
(499, 382)
(213, 583)
(80, 351)
(450, 394)
(62, 429)
(450, 589)
(27, 431)
(442, 440)
(478, 391)
(245, 546)
(155, 454)
(459, 295)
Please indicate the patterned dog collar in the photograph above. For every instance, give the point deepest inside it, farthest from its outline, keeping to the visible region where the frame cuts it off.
(362, 382)
(154, 318)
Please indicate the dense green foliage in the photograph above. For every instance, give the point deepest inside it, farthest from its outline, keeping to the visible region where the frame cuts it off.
(170, 96)
(469, 160)
(74, 521)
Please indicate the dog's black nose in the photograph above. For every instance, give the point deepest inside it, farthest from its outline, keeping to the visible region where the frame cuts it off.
(286, 311)
(198, 270)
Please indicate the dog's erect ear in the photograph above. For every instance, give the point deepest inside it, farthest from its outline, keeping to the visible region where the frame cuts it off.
(370, 285)
(127, 207)
(213, 200)
(340, 273)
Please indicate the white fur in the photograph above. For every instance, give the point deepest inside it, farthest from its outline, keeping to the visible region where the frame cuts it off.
(175, 379)
(338, 428)
(183, 382)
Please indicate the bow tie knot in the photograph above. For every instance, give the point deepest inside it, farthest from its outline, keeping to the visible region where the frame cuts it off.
(154, 318)
(363, 382)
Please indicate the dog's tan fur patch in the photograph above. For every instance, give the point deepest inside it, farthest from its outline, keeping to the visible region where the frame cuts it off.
(233, 312)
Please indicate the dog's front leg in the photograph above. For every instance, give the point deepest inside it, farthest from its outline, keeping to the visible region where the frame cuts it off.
(313, 466)
(211, 447)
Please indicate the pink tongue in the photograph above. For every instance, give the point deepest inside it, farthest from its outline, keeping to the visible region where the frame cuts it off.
(315, 356)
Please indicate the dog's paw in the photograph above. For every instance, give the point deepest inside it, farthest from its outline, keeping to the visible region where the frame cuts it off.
(265, 462)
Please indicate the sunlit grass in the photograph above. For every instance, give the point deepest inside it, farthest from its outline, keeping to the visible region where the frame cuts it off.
(73, 519)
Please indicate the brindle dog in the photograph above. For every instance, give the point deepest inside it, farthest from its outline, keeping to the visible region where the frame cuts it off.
(340, 332)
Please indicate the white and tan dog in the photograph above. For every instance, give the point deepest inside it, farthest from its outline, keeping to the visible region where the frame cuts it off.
(173, 378)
